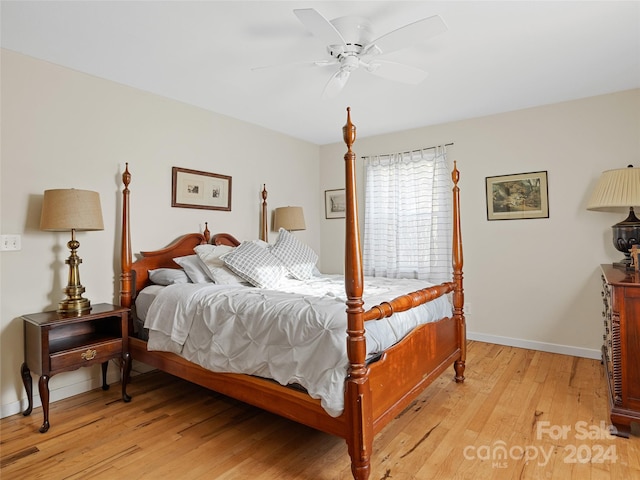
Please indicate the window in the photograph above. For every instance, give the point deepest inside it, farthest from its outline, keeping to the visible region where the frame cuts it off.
(408, 216)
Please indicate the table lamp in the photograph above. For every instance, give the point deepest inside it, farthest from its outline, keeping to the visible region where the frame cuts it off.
(618, 189)
(72, 210)
(289, 218)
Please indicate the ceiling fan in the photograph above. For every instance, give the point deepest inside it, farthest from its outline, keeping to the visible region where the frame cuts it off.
(351, 45)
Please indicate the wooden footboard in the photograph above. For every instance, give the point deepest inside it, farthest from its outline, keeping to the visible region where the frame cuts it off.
(408, 367)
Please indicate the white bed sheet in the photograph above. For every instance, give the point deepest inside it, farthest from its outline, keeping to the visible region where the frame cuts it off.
(296, 334)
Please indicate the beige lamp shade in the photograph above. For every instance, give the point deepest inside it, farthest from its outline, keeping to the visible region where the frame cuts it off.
(289, 218)
(615, 189)
(67, 209)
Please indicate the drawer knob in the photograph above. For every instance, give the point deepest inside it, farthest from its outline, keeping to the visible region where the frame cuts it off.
(89, 354)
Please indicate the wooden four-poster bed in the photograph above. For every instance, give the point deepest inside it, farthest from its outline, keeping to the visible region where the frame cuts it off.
(374, 391)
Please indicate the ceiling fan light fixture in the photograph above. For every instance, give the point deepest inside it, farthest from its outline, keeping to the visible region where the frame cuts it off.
(351, 43)
(349, 63)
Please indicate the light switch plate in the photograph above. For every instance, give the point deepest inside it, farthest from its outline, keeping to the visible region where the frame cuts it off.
(9, 243)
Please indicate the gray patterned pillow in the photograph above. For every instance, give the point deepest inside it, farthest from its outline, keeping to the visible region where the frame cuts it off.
(295, 255)
(255, 264)
(168, 276)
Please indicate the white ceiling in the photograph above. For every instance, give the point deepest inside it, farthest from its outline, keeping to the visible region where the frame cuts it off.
(495, 57)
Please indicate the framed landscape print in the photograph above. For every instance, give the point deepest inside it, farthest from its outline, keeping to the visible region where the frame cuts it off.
(335, 203)
(518, 196)
(195, 189)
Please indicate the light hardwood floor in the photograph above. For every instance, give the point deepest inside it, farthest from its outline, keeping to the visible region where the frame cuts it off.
(546, 413)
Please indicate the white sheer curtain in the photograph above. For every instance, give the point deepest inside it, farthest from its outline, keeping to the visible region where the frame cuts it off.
(408, 215)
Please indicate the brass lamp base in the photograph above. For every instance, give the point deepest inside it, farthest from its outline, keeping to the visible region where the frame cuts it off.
(74, 306)
(75, 303)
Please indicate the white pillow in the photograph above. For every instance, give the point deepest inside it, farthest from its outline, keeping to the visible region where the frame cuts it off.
(261, 243)
(255, 264)
(168, 276)
(295, 255)
(216, 269)
(194, 268)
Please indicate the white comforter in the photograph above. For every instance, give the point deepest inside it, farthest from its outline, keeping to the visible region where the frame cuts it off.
(294, 335)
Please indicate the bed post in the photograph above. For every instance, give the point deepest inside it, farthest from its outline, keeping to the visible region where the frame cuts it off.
(458, 291)
(358, 408)
(265, 222)
(126, 280)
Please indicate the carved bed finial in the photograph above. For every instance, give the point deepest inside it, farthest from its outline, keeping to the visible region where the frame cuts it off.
(206, 233)
(455, 173)
(126, 176)
(349, 131)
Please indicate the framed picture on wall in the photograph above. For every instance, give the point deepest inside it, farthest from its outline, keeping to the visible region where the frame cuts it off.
(517, 196)
(195, 189)
(335, 205)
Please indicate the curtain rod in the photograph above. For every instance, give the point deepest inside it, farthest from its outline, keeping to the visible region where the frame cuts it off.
(410, 151)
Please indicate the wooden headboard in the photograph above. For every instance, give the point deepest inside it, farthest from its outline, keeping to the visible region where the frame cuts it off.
(225, 239)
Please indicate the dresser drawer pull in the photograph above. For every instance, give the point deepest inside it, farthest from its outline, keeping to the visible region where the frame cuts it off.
(89, 354)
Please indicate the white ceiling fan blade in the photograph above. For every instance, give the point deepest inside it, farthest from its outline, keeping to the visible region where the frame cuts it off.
(409, 35)
(398, 72)
(336, 83)
(319, 26)
(313, 63)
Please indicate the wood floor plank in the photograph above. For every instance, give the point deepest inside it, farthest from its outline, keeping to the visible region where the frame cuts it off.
(513, 400)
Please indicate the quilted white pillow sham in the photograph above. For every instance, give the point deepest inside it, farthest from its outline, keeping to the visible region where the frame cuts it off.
(298, 258)
(255, 264)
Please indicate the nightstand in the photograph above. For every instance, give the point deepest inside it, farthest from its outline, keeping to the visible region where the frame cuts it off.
(55, 343)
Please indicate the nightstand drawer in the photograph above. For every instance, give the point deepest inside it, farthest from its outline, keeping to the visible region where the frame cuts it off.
(86, 354)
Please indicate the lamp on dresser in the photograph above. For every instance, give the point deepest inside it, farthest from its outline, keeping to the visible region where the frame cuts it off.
(289, 218)
(618, 189)
(65, 210)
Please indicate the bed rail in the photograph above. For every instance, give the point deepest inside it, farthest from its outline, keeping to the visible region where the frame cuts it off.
(408, 301)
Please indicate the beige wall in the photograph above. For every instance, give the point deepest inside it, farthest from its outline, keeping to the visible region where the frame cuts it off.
(63, 129)
(532, 283)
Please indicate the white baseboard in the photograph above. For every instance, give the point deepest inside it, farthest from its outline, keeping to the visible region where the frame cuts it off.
(533, 345)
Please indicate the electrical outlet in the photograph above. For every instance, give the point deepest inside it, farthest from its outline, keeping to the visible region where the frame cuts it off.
(467, 308)
(10, 243)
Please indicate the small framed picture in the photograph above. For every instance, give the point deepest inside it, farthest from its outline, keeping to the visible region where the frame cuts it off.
(195, 189)
(335, 205)
(518, 196)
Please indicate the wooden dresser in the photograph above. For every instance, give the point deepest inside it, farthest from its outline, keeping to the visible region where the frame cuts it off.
(621, 349)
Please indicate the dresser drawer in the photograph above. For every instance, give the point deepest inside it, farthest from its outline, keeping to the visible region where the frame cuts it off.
(85, 355)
